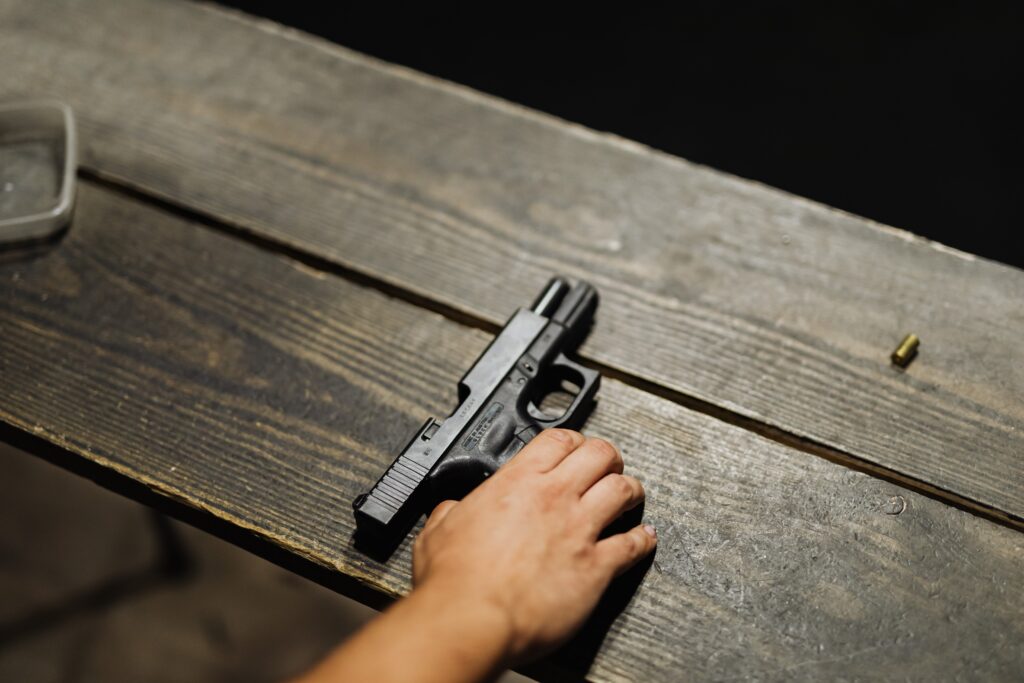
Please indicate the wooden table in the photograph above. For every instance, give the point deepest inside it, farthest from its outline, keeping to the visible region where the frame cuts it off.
(286, 253)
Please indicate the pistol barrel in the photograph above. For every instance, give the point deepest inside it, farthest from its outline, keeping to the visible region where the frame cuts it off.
(576, 310)
(549, 299)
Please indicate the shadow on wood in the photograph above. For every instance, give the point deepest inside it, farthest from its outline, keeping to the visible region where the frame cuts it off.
(26, 250)
(573, 660)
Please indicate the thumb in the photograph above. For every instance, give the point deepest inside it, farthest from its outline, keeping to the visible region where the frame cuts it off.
(439, 513)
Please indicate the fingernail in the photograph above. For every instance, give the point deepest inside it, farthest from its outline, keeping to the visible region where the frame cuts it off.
(650, 531)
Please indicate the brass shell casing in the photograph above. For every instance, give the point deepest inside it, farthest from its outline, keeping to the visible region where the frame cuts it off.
(906, 351)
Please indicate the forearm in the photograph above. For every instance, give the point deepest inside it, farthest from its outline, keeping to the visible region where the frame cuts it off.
(431, 635)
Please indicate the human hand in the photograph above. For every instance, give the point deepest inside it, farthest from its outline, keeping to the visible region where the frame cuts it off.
(524, 544)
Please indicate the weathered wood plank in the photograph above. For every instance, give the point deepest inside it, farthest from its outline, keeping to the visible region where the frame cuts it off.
(760, 303)
(249, 386)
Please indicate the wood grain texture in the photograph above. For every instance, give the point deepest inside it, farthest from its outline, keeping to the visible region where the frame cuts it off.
(247, 385)
(772, 307)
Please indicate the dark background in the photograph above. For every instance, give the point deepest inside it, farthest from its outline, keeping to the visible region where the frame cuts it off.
(908, 114)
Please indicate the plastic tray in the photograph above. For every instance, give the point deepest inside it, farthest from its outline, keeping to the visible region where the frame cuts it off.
(38, 161)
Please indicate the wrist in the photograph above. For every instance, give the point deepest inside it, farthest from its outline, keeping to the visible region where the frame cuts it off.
(472, 619)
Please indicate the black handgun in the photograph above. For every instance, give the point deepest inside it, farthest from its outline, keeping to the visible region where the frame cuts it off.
(498, 411)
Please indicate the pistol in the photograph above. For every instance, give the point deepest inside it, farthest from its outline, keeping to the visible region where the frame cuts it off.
(499, 411)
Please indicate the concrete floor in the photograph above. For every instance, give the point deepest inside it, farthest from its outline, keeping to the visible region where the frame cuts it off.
(94, 587)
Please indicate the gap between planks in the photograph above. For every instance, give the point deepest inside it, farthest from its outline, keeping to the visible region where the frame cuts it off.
(466, 318)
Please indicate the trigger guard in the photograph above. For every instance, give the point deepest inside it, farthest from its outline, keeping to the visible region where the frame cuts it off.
(588, 381)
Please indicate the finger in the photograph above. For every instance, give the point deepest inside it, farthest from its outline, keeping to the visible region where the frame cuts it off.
(548, 448)
(439, 513)
(620, 552)
(610, 497)
(587, 464)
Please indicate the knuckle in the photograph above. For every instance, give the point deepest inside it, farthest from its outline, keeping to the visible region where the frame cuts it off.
(606, 449)
(636, 487)
(555, 488)
(630, 544)
(623, 488)
(554, 503)
(564, 436)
